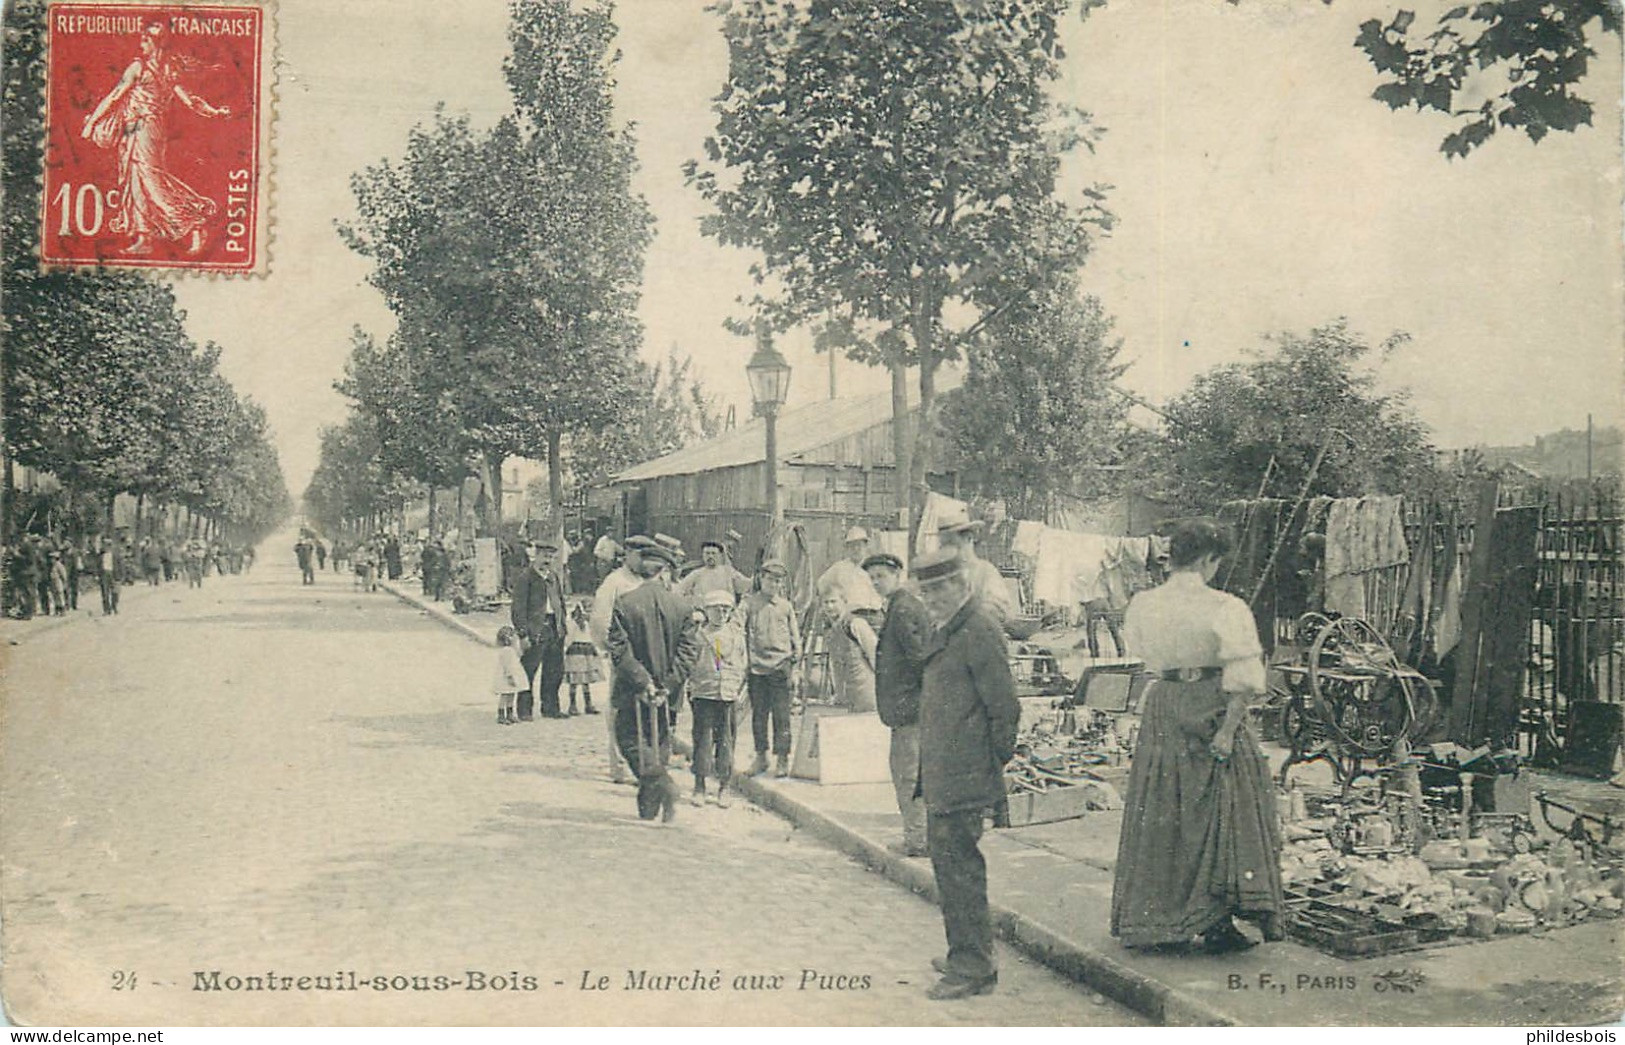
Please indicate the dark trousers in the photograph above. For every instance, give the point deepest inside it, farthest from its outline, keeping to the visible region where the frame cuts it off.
(545, 654)
(73, 589)
(961, 875)
(307, 573)
(770, 700)
(713, 738)
(655, 786)
(109, 586)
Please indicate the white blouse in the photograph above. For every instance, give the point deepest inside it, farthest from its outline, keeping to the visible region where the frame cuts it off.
(1186, 624)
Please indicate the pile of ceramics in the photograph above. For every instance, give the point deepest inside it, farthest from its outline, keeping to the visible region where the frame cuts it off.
(1469, 886)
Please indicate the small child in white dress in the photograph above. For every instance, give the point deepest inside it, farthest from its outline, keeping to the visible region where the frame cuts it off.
(510, 677)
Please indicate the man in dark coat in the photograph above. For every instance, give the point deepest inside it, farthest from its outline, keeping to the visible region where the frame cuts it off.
(899, 661)
(538, 615)
(109, 564)
(392, 557)
(653, 644)
(968, 718)
(27, 570)
(304, 551)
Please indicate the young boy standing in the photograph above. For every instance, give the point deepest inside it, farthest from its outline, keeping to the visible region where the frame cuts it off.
(717, 681)
(773, 644)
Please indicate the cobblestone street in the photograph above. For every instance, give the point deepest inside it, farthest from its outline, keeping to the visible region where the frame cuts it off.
(263, 778)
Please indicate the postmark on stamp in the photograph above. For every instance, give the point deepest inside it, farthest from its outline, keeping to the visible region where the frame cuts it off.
(157, 136)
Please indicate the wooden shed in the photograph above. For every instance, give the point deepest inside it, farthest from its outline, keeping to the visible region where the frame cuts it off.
(836, 470)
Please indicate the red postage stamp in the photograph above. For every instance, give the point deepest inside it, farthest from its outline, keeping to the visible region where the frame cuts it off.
(157, 122)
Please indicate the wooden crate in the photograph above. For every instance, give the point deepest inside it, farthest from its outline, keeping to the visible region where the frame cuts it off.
(836, 746)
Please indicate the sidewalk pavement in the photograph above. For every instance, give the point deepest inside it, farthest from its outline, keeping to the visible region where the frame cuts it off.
(1050, 886)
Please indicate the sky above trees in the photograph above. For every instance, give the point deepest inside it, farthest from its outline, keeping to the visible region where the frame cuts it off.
(1257, 188)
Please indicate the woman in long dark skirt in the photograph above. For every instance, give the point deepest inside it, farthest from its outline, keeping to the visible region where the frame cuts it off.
(1201, 843)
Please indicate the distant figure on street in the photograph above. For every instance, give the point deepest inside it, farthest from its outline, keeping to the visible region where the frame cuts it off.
(773, 646)
(341, 554)
(905, 635)
(108, 567)
(321, 554)
(392, 557)
(195, 555)
(305, 552)
(152, 564)
(652, 643)
(366, 567)
(968, 718)
(248, 557)
(58, 582)
(510, 680)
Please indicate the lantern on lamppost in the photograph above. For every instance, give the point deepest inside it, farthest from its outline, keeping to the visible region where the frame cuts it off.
(769, 386)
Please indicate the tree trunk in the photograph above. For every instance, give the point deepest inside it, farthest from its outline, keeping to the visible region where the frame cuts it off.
(925, 420)
(430, 522)
(140, 502)
(8, 532)
(112, 499)
(555, 483)
(491, 485)
(902, 444)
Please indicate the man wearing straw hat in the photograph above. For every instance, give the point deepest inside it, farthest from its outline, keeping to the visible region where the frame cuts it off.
(956, 532)
(968, 718)
(622, 579)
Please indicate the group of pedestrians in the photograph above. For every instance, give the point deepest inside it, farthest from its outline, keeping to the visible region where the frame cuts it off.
(45, 573)
(368, 559)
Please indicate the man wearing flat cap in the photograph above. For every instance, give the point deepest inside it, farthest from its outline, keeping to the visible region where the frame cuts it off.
(968, 718)
(957, 532)
(653, 644)
(773, 649)
(538, 615)
(899, 660)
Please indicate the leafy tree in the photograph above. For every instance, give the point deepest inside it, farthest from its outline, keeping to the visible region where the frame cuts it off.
(674, 410)
(895, 164)
(1527, 56)
(1272, 416)
(512, 258)
(1036, 416)
(350, 484)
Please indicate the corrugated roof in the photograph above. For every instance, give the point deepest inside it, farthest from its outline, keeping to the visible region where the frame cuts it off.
(801, 431)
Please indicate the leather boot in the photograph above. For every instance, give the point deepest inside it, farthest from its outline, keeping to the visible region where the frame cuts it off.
(758, 767)
(782, 769)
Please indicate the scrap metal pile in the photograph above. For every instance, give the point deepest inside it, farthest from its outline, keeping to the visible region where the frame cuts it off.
(1370, 870)
(1045, 762)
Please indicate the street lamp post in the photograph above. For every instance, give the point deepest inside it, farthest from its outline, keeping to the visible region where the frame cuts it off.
(769, 385)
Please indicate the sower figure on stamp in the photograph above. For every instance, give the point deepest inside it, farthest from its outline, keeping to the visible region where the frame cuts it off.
(968, 719)
(538, 616)
(652, 643)
(132, 117)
